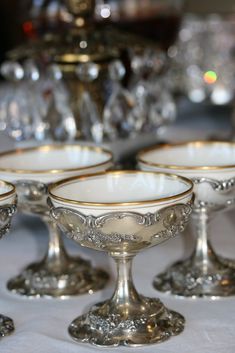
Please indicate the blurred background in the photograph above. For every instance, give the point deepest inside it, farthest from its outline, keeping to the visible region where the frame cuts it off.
(109, 70)
(14, 15)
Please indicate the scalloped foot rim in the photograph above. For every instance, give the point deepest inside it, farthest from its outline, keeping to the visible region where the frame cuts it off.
(76, 278)
(6, 326)
(102, 328)
(186, 279)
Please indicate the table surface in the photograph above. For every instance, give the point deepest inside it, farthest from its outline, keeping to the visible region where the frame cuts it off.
(41, 324)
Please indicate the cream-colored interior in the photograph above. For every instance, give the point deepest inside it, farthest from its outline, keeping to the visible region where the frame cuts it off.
(121, 187)
(197, 155)
(71, 157)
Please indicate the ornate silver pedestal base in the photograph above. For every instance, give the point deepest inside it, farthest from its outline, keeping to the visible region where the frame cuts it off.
(103, 327)
(42, 280)
(191, 279)
(204, 274)
(6, 326)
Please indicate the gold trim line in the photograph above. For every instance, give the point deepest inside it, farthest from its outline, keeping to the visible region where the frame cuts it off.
(46, 148)
(198, 144)
(8, 193)
(119, 172)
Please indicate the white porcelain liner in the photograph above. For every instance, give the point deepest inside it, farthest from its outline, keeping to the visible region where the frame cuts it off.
(53, 162)
(124, 190)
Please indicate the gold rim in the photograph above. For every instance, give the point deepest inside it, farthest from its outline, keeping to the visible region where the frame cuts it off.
(119, 172)
(198, 144)
(46, 148)
(7, 193)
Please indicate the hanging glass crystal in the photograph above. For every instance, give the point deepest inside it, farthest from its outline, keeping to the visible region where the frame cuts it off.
(92, 127)
(87, 72)
(61, 118)
(117, 113)
(85, 81)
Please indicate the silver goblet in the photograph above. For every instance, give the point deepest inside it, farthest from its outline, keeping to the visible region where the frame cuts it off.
(7, 209)
(32, 170)
(211, 166)
(122, 213)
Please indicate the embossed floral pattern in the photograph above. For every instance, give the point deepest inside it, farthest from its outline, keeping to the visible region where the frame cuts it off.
(93, 230)
(6, 213)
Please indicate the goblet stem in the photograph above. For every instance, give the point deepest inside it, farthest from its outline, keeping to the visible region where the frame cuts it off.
(56, 256)
(204, 254)
(125, 296)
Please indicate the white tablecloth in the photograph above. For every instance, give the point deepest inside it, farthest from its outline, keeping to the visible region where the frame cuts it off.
(41, 325)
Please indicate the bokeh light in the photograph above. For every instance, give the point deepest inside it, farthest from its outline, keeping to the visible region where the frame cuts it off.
(210, 77)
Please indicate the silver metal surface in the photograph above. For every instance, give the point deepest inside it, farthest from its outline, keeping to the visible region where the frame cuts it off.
(6, 213)
(6, 326)
(58, 274)
(127, 318)
(204, 273)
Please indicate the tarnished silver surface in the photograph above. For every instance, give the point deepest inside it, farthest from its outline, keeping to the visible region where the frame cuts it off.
(128, 318)
(138, 231)
(217, 185)
(101, 326)
(6, 213)
(58, 274)
(204, 273)
(32, 197)
(6, 326)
